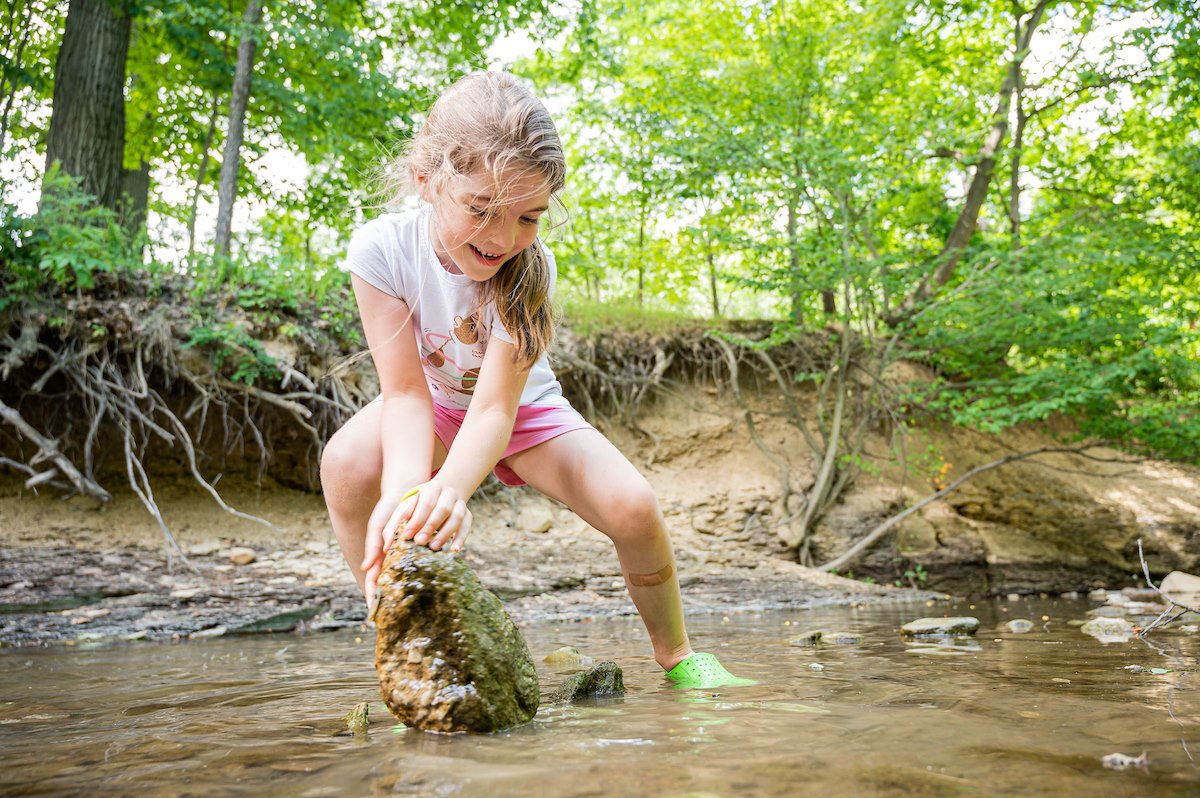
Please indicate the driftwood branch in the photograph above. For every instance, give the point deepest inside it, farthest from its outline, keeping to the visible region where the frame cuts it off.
(881, 529)
(1169, 615)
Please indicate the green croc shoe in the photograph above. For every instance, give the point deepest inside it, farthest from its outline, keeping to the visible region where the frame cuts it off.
(703, 672)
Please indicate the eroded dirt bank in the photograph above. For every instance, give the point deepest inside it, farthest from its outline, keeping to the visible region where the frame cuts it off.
(82, 572)
(79, 569)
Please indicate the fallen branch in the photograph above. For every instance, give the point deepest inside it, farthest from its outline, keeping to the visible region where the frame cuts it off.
(1172, 604)
(879, 531)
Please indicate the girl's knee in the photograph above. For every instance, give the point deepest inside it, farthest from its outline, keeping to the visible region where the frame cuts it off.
(346, 474)
(634, 512)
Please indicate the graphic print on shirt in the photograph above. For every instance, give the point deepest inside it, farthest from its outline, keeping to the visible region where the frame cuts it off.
(438, 353)
(467, 330)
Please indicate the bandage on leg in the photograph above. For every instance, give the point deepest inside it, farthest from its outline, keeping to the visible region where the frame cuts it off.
(651, 580)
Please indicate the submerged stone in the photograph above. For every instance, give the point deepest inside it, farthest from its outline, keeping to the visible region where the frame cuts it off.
(357, 719)
(567, 658)
(603, 681)
(941, 627)
(945, 647)
(1108, 611)
(1019, 625)
(449, 658)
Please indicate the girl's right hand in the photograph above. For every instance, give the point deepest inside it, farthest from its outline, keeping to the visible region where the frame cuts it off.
(439, 517)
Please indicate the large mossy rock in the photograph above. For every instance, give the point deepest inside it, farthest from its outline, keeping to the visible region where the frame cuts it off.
(449, 657)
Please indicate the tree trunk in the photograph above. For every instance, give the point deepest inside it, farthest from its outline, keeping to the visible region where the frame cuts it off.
(135, 198)
(201, 173)
(828, 302)
(794, 260)
(964, 226)
(87, 126)
(641, 257)
(1018, 143)
(712, 278)
(227, 188)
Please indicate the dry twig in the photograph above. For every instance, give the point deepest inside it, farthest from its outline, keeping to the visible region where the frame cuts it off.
(1168, 615)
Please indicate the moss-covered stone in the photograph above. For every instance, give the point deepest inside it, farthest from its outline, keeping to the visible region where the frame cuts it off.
(449, 657)
(606, 680)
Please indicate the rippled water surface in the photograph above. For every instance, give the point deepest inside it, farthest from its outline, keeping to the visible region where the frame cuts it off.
(1010, 714)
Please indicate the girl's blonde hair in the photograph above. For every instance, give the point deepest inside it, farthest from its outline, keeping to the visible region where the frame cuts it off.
(487, 124)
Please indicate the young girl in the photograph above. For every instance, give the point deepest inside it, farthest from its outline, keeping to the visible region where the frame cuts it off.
(455, 298)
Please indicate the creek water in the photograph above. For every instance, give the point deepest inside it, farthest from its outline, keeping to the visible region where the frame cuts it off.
(1005, 714)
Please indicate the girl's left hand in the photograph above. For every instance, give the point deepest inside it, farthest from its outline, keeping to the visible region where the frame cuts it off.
(439, 517)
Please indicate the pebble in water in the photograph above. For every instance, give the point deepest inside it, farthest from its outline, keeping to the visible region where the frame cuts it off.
(1121, 761)
(1019, 625)
(1109, 630)
(941, 627)
(823, 636)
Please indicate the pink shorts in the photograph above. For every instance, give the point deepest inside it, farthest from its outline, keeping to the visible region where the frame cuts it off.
(535, 424)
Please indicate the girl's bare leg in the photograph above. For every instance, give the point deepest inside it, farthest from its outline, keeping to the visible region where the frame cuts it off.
(351, 466)
(586, 472)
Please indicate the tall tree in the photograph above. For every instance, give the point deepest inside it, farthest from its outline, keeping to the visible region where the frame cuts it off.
(87, 127)
(231, 157)
(981, 179)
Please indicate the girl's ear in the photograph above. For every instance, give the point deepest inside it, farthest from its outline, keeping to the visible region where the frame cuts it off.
(422, 182)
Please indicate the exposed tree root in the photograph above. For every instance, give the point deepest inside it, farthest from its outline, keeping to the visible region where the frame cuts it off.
(48, 450)
(848, 398)
(119, 383)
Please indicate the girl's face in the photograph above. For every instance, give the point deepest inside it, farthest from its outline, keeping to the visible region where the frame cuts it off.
(474, 236)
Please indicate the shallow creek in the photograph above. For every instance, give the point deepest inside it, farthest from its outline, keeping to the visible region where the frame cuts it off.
(1006, 714)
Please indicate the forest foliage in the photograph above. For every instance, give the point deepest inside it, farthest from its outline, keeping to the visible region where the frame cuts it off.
(1007, 193)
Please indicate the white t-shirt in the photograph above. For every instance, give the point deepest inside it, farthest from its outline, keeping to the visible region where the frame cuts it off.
(394, 253)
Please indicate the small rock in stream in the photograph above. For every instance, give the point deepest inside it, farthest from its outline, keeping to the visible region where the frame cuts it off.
(1109, 630)
(823, 636)
(358, 719)
(1181, 586)
(1121, 761)
(448, 656)
(1108, 611)
(941, 627)
(1019, 625)
(603, 681)
(240, 555)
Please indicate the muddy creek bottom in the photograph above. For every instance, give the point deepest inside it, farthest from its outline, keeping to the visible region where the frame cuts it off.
(1006, 714)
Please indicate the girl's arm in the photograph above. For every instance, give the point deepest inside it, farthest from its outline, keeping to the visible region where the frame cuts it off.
(406, 428)
(440, 515)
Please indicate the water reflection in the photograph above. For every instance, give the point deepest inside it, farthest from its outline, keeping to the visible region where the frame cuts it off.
(1028, 713)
